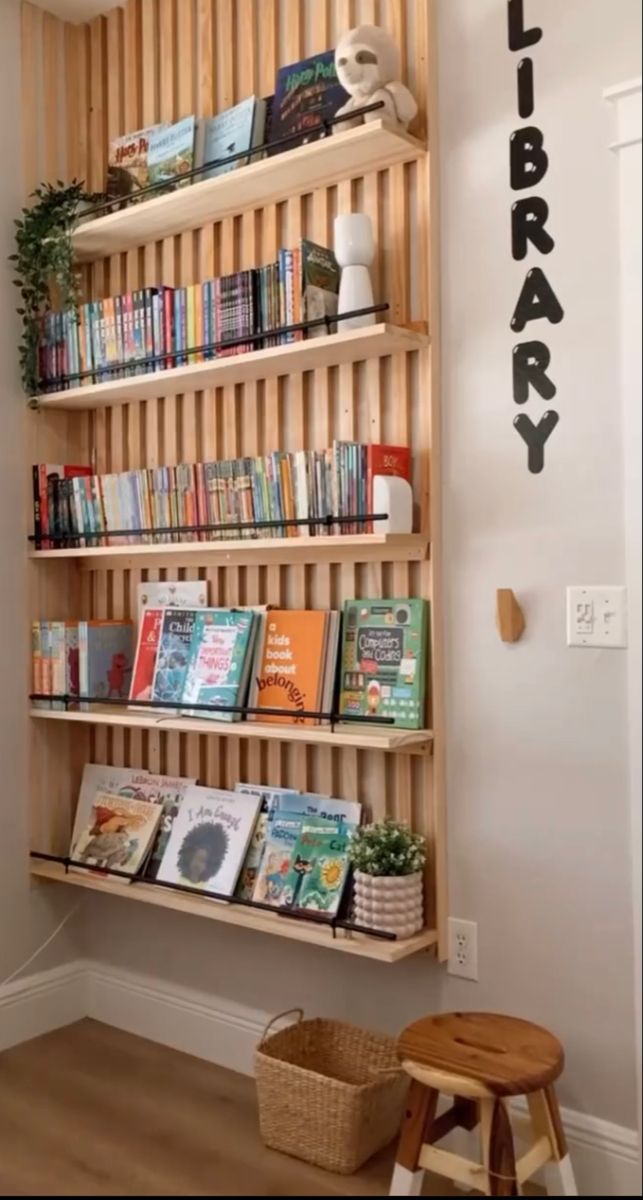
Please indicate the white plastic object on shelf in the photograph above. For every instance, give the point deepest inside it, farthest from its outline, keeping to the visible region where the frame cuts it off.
(394, 496)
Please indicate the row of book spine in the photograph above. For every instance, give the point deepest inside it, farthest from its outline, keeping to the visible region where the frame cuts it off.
(74, 507)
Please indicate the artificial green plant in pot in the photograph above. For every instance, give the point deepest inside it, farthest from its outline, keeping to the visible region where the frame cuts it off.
(46, 273)
(388, 860)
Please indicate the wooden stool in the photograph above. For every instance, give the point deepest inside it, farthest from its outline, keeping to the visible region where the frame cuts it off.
(480, 1059)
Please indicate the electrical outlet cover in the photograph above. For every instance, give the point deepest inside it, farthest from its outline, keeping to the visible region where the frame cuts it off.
(463, 948)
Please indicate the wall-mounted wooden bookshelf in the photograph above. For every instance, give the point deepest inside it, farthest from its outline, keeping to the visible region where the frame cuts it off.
(382, 739)
(124, 71)
(356, 944)
(346, 154)
(338, 349)
(246, 552)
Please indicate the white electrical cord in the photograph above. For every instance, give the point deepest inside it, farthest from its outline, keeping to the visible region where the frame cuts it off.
(23, 966)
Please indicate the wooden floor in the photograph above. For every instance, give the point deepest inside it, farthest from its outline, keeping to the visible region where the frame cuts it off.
(91, 1111)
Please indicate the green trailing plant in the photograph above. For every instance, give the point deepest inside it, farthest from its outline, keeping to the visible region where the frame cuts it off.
(387, 848)
(44, 264)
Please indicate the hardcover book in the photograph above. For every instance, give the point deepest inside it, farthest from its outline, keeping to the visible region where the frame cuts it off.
(99, 778)
(169, 794)
(319, 285)
(171, 151)
(171, 594)
(219, 661)
(105, 657)
(281, 839)
(311, 804)
(318, 867)
(149, 634)
(307, 93)
(270, 799)
(173, 655)
(385, 460)
(127, 164)
(118, 835)
(209, 840)
(383, 663)
(291, 666)
(231, 132)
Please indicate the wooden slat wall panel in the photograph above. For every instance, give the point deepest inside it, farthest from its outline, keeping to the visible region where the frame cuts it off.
(159, 60)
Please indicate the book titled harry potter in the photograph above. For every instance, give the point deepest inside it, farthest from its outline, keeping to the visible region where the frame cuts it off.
(307, 94)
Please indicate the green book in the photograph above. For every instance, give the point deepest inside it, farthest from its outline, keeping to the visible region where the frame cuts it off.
(219, 660)
(318, 866)
(384, 660)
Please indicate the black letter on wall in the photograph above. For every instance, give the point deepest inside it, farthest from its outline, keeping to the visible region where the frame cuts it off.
(528, 220)
(528, 160)
(519, 37)
(537, 300)
(530, 362)
(535, 437)
(525, 87)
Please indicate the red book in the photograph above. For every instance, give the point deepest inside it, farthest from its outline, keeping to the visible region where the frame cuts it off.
(148, 640)
(385, 460)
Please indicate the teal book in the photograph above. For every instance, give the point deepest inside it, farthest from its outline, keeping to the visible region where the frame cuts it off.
(280, 842)
(319, 866)
(219, 660)
(234, 131)
(384, 660)
(171, 151)
(270, 798)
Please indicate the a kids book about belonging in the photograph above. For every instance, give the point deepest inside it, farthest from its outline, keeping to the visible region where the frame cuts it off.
(384, 657)
(270, 883)
(318, 866)
(173, 655)
(219, 662)
(291, 666)
(307, 93)
(118, 835)
(209, 840)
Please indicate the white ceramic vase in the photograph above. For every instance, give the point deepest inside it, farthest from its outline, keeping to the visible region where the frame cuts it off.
(354, 251)
(390, 902)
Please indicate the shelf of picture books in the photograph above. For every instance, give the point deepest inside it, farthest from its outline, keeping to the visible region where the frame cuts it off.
(168, 179)
(357, 678)
(271, 859)
(280, 507)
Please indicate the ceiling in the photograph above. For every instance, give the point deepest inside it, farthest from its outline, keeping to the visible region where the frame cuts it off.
(76, 10)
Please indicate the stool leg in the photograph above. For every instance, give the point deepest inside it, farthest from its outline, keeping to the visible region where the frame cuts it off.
(545, 1116)
(419, 1116)
(497, 1149)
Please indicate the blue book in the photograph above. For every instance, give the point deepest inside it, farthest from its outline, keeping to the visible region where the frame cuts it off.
(105, 659)
(237, 129)
(173, 655)
(219, 661)
(307, 93)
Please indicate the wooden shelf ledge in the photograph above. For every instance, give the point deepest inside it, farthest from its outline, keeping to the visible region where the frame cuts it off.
(360, 737)
(353, 345)
(346, 155)
(359, 945)
(362, 548)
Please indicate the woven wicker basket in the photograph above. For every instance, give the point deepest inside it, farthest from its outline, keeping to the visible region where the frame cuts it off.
(328, 1092)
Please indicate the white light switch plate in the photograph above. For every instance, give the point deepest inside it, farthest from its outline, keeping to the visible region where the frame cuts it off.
(597, 616)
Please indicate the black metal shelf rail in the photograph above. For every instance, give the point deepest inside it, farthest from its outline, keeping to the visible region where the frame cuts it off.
(324, 523)
(332, 923)
(159, 189)
(243, 710)
(130, 369)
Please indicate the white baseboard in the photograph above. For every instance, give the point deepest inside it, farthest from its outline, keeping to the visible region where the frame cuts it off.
(605, 1156)
(39, 1003)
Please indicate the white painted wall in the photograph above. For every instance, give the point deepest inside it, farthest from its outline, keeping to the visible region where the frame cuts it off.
(25, 920)
(539, 818)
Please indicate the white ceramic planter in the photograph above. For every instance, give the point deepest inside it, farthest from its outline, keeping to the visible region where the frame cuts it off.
(391, 902)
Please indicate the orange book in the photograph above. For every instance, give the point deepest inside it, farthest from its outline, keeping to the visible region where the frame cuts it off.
(291, 666)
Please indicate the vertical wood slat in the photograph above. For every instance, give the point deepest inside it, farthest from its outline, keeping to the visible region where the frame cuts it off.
(175, 58)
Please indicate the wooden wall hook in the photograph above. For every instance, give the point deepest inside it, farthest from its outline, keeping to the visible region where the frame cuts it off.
(509, 616)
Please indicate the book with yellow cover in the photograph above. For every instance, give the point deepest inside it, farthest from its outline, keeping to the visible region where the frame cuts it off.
(291, 666)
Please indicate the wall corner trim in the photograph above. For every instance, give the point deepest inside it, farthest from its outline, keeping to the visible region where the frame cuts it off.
(626, 97)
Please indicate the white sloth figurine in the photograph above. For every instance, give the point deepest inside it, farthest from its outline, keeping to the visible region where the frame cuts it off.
(368, 67)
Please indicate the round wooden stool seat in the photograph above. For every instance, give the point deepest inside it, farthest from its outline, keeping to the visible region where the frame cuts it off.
(498, 1056)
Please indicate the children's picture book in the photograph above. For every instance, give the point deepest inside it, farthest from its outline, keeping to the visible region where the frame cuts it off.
(311, 804)
(307, 93)
(169, 794)
(171, 152)
(236, 130)
(209, 840)
(291, 666)
(105, 658)
(127, 164)
(320, 276)
(118, 835)
(98, 778)
(281, 838)
(318, 866)
(383, 662)
(173, 593)
(269, 798)
(173, 655)
(149, 633)
(219, 662)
